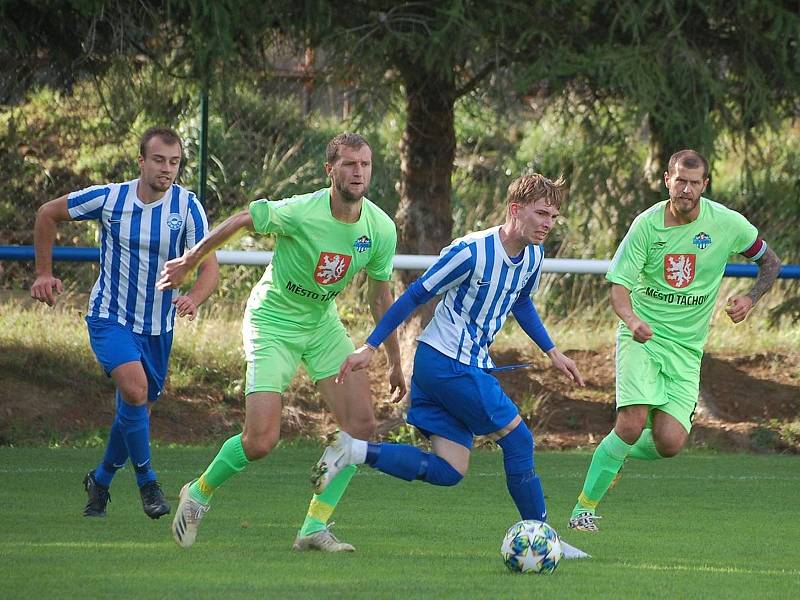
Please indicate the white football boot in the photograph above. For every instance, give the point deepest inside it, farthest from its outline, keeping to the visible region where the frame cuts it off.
(336, 457)
(187, 518)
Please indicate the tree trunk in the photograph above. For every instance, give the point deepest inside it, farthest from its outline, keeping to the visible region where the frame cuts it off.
(427, 149)
(691, 128)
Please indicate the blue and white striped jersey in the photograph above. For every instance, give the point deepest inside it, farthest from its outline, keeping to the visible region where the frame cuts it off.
(480, 284)
(136, 239)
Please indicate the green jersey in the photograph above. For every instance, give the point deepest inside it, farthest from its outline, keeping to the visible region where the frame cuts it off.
(316, 256)
(674, 273)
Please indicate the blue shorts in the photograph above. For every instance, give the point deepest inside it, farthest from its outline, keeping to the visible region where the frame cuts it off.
(455, 401)
(114, 344)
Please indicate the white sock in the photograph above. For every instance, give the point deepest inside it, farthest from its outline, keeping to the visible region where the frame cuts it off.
(358, 452)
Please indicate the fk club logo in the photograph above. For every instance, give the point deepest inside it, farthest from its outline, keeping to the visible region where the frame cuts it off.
(702, 240)
(362, 244)
(174, 221)
(331, 267)
(679, 269)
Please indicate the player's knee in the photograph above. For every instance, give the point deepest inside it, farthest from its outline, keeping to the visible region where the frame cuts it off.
(133, 392)
(629, 430)
(441, 472)
(452, 478)
(669, 448)
(518, 450)
(630, 423)
(259, 445)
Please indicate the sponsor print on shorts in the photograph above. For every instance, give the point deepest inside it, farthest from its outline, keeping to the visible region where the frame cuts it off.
(331, 267)
(679, 269)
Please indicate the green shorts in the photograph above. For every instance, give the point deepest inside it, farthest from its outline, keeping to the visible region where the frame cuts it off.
(273, 352)
(659, 374)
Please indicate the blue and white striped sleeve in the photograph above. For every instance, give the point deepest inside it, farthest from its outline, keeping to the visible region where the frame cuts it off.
(454, 265)
(536, 277)
(87, 204)
(196, 223)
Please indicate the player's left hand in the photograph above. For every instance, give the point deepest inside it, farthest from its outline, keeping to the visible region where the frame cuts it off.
(566, 365)
(738, 307)
(397, 382)
(185, 306)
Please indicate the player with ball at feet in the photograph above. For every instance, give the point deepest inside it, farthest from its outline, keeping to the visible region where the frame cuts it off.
(482, 277)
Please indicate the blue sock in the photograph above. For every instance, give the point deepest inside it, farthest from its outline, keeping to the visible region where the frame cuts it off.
(135, 425)
(526, 490)
(440, 472)
(409, 463)
(522, 482)
(115, 457)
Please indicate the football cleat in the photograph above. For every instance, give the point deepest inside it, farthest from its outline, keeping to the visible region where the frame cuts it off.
(323, 541)
(98, 494)
(187, 518)
(585, 521)
(570, 552)
(154, 503)
(336, 457)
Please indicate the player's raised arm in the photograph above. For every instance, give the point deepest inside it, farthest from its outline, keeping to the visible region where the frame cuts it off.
(45, 287)
(177, 269)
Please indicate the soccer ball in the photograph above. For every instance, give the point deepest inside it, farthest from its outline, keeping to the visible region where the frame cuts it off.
(531, 547)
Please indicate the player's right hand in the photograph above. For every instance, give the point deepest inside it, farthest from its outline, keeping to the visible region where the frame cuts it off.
(358, 360)
(43, 289)
(173, 274)
(641, 331)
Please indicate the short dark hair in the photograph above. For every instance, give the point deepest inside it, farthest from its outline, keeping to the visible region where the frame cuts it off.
(691, 159)
(167, 135)
(533, 187)
(351, 140)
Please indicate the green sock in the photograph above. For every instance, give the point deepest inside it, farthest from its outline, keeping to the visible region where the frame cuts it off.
(606, 463)
(645, 447)
(229, 461)
(323, 505)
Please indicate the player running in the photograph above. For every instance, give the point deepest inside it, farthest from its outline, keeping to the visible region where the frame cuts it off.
(482, 277)
(143, 223)
(665, 278)
(322, 240)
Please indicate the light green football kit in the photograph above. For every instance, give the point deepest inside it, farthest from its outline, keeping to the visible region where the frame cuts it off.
(291, 315)
(673, 274)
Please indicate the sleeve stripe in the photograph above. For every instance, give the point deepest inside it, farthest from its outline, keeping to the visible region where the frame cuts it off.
(437, 275)
(755, 251)
(87, 202)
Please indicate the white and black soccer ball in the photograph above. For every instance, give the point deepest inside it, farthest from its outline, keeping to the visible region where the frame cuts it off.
(531, 547)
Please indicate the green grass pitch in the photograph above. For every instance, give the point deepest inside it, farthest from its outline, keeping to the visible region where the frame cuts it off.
(697, 526)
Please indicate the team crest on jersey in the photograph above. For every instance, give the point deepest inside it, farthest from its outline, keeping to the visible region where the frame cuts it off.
(679, 269)
(331, 267)
(362, 244)
(174, 221)
(702, 240)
